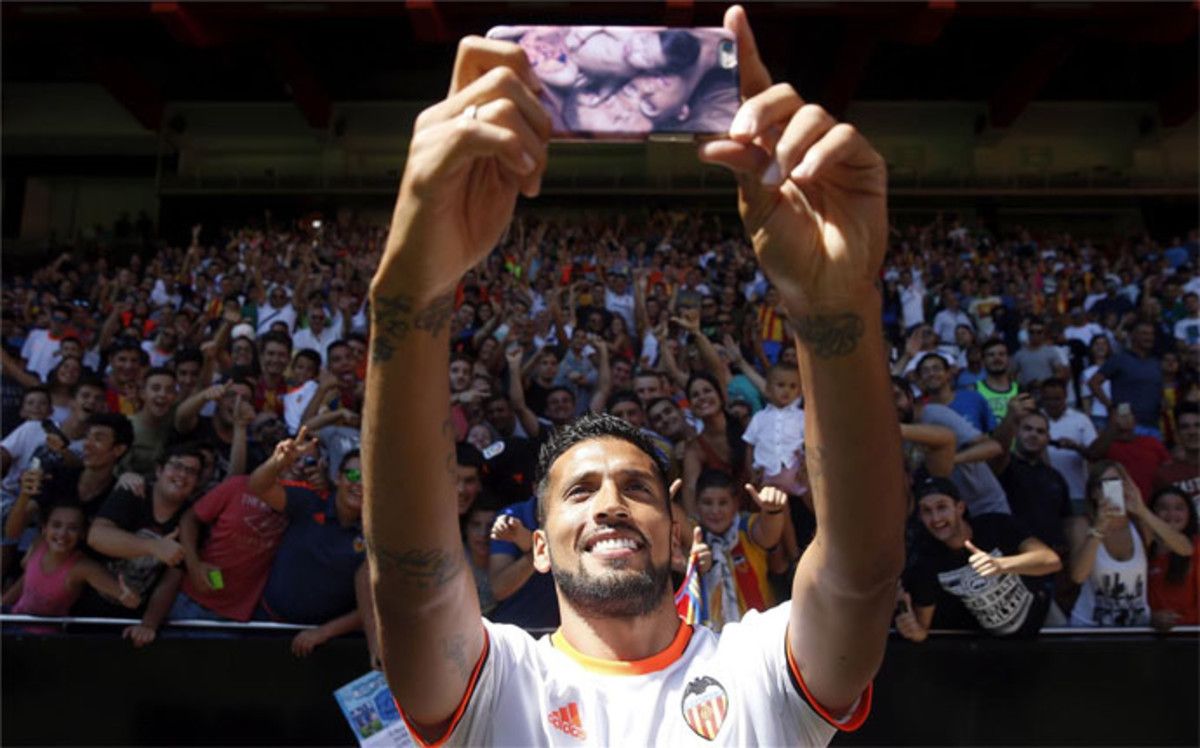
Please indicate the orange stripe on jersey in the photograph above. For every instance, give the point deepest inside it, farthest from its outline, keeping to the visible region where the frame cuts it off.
(849, 724)
(651, 664)
(462, 705)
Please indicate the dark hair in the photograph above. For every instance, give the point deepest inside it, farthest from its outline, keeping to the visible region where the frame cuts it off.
(339, 343)
(239, 375)
(313, 357)
(903, 384)
(586, 428)
(159, 371)
(680, 48)
(733, 427)
(992, 343)
(276, 337)
(121, 427)
(188, 355)
(711, 478)
(1053, 382)
(1177, 566)
(650, 405)
(121, 344)
(621, 396)
(466, 455)
(87, 380)
(352, 454)
(187, 449)
(43, 389)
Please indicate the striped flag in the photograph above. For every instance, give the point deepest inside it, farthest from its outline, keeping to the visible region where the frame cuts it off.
(689, 599)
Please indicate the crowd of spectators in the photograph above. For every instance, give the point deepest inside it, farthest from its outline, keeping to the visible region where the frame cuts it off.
(181, 431)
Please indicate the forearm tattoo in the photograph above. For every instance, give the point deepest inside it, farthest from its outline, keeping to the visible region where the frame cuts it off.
(394, 317)
(424, 568)
(830, 335)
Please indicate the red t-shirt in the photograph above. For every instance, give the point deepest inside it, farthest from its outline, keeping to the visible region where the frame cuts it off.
(242, 540)
(1183, 476)
(1182, 597)
(1141, 456)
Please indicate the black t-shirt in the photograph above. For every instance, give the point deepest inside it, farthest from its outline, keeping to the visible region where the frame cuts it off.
(508, 470)
(136, 515)
(205, 433)
(536, 396)
(1004, 605)
(1039, 499)
(63, 487)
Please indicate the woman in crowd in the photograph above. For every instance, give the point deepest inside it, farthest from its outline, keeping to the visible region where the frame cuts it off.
(1174, 589)
(1108, 553)
(1099, 349)
(719, 446)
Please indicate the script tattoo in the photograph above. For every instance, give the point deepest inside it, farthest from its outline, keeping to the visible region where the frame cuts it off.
(830, 335)
(395, 317)
(424, 568)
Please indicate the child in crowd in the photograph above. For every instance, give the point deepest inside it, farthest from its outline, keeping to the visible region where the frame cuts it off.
(776, 433)
(56, 570)
(740, 543)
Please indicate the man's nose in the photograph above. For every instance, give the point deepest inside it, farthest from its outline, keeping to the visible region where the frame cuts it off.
(608, 502)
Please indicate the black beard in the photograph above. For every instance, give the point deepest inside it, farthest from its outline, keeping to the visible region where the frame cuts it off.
(612, 595)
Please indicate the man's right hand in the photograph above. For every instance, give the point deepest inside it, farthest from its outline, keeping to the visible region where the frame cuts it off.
(200, 572)
(289, 450)
(168, 550)
(469, 156)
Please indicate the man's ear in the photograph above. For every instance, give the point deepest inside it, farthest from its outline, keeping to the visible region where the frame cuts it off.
(541, 552)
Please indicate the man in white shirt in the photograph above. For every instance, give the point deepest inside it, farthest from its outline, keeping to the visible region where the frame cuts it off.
(946, 322)
(319, 334)
(1187, 330)
(618, 299)
(624, 669)
(1071, 433)
(912, 299)
(40, 350)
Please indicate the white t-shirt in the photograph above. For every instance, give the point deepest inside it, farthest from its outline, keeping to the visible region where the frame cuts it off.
(40, 352)
(269, 315)
(320, 343)
(20, 444)
(1098, 409)
(1188, 330)
(777, 434)
(621, 304)
(741, 688)
(1078, 428)
(296, 401)
(1114, 594)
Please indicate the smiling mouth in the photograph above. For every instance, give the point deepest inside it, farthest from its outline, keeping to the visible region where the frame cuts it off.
(613, 544)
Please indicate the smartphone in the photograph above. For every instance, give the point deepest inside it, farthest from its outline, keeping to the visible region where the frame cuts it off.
(35, 464)
(1114, 493)
(216, 579)
(632, 82)
(1123, 409)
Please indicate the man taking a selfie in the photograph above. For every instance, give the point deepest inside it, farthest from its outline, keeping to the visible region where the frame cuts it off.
(623, 668)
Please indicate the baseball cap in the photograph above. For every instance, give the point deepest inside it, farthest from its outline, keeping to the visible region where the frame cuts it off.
(243, 330)
(930, 485)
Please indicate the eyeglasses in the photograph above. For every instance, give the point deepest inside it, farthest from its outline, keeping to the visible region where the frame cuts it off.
(183, 467)
(354, 475)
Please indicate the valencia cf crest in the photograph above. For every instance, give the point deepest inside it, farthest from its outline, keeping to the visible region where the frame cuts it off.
(704, 706)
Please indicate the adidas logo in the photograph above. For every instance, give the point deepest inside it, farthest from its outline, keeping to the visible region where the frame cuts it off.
(567, 719)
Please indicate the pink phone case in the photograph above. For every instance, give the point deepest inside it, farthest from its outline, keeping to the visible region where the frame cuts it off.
(632, 82)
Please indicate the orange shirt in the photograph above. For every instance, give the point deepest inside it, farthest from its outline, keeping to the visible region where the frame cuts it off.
(1182, 597)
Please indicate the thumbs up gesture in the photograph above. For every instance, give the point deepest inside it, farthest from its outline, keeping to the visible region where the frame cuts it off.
(701, 552)
(168, 550)
(128, 597)
(770, 499)
(985, 564)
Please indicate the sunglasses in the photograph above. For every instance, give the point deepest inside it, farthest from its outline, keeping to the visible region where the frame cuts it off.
(354, 475)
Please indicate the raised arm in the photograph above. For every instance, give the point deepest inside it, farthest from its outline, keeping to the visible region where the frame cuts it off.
(469, 157)
(815, 209)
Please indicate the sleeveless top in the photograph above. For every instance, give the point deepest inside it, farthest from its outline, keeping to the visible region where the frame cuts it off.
(997, 401)
(1114, 594)
(46, 593)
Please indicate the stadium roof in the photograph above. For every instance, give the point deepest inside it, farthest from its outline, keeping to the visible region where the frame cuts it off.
(1008, 54)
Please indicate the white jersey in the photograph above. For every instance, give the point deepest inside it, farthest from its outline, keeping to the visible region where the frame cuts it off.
(739, 688)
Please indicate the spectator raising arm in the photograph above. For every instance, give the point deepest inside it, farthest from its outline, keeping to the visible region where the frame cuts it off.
(488, 138)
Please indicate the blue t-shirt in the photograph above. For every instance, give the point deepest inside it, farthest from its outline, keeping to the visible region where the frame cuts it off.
(312, 578)
(535, 604)
(970, 405)
(1137, 381)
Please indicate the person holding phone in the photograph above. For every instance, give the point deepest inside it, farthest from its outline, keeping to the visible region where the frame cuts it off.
(1108, 550)
(812, 195)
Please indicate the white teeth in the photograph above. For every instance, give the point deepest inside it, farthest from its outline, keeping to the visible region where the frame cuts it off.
(614, 544)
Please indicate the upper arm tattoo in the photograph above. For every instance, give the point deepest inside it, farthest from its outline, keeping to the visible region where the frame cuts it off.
(830, 335)
(396, 316)
(423, 568)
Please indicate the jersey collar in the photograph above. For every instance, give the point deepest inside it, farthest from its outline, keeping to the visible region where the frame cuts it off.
(651, 664)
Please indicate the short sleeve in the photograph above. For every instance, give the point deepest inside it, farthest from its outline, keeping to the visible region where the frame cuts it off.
(209, 506)
(300, 501)
(920, 585)
(750, 435)
(122, 508)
